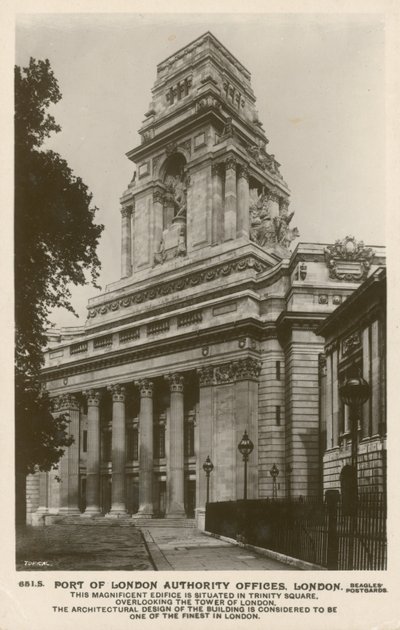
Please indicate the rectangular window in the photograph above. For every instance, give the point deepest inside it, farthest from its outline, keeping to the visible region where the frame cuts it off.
(278, 416)
(278, 370)
(84, 446)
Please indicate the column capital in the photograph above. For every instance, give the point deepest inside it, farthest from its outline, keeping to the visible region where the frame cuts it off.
(66, 401)
(117, 391)
(126, 211)
(145, 388)
(93, 397)
(243, 172)
(206, 375)
(158, 196)
(175, 382)
(217, 169)
(230, 162)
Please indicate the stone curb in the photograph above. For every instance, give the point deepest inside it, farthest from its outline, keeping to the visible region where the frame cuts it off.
(157, 557)
(274, 555)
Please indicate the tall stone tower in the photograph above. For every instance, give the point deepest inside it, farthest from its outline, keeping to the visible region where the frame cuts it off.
(204, 183)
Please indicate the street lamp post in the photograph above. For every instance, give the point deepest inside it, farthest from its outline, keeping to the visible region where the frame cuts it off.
(354, 392)
(274, 472)
(245, 447)
(208, 467)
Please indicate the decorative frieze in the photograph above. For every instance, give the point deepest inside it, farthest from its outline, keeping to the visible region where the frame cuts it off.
(351, 343)
(166, 288)
(348, 259)
(206, 375)
(241, 369)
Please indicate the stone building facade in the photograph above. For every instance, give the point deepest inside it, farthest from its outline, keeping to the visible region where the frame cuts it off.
(355, 336)
(211, 328)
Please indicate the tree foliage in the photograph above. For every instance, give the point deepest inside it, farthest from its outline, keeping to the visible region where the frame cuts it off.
(55, 246)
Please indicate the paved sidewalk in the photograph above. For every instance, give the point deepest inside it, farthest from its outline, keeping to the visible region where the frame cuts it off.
(82, 546)
(190, 550)
(125, 545)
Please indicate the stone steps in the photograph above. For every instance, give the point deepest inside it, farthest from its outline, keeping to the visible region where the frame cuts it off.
(125, 521)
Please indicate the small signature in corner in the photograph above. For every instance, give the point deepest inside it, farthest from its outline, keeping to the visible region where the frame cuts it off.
(36, 563)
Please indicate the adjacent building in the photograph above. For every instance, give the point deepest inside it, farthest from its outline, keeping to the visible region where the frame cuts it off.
(214, 325)
(355, 335)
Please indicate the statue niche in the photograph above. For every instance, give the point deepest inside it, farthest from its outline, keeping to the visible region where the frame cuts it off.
(173, 242)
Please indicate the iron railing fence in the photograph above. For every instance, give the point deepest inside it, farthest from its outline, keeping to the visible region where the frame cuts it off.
(309, 529)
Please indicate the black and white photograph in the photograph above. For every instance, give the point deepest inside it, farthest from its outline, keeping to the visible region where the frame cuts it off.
(200, 250)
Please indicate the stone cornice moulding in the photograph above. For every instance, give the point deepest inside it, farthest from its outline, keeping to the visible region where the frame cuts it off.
(193, 279)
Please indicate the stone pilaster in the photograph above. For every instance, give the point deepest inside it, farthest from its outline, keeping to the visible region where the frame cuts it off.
(217, 204)
(205, 432)
(93, 454)
(375, 378)
(302, 411)
(328, 403)
(145, 449)
(158, 210)
(175, 484)
(126, 241)
(243, 216)
(69, 463)
(230, 199)
(335, 399)
(118, 506)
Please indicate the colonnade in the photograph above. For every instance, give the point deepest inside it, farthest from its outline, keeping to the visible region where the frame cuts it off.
(69, 464)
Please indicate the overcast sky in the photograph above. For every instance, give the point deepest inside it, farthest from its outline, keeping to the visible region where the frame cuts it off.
(319, 83)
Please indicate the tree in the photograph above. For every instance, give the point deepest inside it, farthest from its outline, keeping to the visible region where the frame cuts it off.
(55, 246)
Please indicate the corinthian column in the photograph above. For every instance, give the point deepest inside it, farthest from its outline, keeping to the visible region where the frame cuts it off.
(118, 507)
(69, 463)
(230, 199)
(93, 454)
(145, 449)
(175, 482)
(243, 218)
(126, 241)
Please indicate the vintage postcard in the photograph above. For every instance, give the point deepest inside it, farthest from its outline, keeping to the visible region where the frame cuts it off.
(203, 214)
